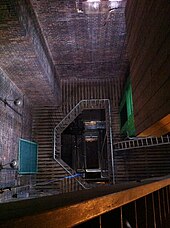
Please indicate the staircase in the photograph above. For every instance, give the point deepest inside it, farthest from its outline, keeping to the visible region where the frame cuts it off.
(54, 173)
(82, 105)
(44, 121)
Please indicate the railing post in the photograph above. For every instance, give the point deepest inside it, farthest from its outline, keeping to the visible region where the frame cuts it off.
(111, 143)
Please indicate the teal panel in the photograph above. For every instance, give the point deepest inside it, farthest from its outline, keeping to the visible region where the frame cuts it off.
(28, 152)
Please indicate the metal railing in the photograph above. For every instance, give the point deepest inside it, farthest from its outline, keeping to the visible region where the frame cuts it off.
(83, 104)
(141, 142)
(70, 173)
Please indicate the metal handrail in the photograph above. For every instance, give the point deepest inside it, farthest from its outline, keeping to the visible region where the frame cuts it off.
(111, 142)
(141, 142)
(82, 185)
(82, 101)
(68, 115)
(77, 105)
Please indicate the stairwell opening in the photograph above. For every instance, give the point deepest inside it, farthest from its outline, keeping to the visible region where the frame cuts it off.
(84, 145)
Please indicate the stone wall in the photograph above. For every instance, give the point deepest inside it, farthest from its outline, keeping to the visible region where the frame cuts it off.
(15, 123)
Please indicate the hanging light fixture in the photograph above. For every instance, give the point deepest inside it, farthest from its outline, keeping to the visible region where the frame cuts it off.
(13, 164)
(97, 6)
(17, 102)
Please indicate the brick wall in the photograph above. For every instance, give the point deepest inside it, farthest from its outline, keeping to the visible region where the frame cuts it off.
(75, 90)
(23, 54)
(148, 35)
(12, 127)
(32, 28)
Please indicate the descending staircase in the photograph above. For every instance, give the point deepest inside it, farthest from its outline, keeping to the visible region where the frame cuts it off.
(82, 105)
(51, 169)
(44, 121)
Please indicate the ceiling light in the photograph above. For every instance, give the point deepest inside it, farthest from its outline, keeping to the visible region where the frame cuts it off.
(98, 6)
(13, 164)
(18, 102)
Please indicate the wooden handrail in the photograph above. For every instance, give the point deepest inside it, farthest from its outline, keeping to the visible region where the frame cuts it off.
(70, 209)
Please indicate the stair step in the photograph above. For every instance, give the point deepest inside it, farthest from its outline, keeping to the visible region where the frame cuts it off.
(49, 159)
(50, 143)
(50, 178)
(46, 171)
(44, 121)
(46, 163)
(50, 175)
(45, 155)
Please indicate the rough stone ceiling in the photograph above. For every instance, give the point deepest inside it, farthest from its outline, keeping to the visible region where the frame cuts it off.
(44, 41)
(82, 45)
(20, 59)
